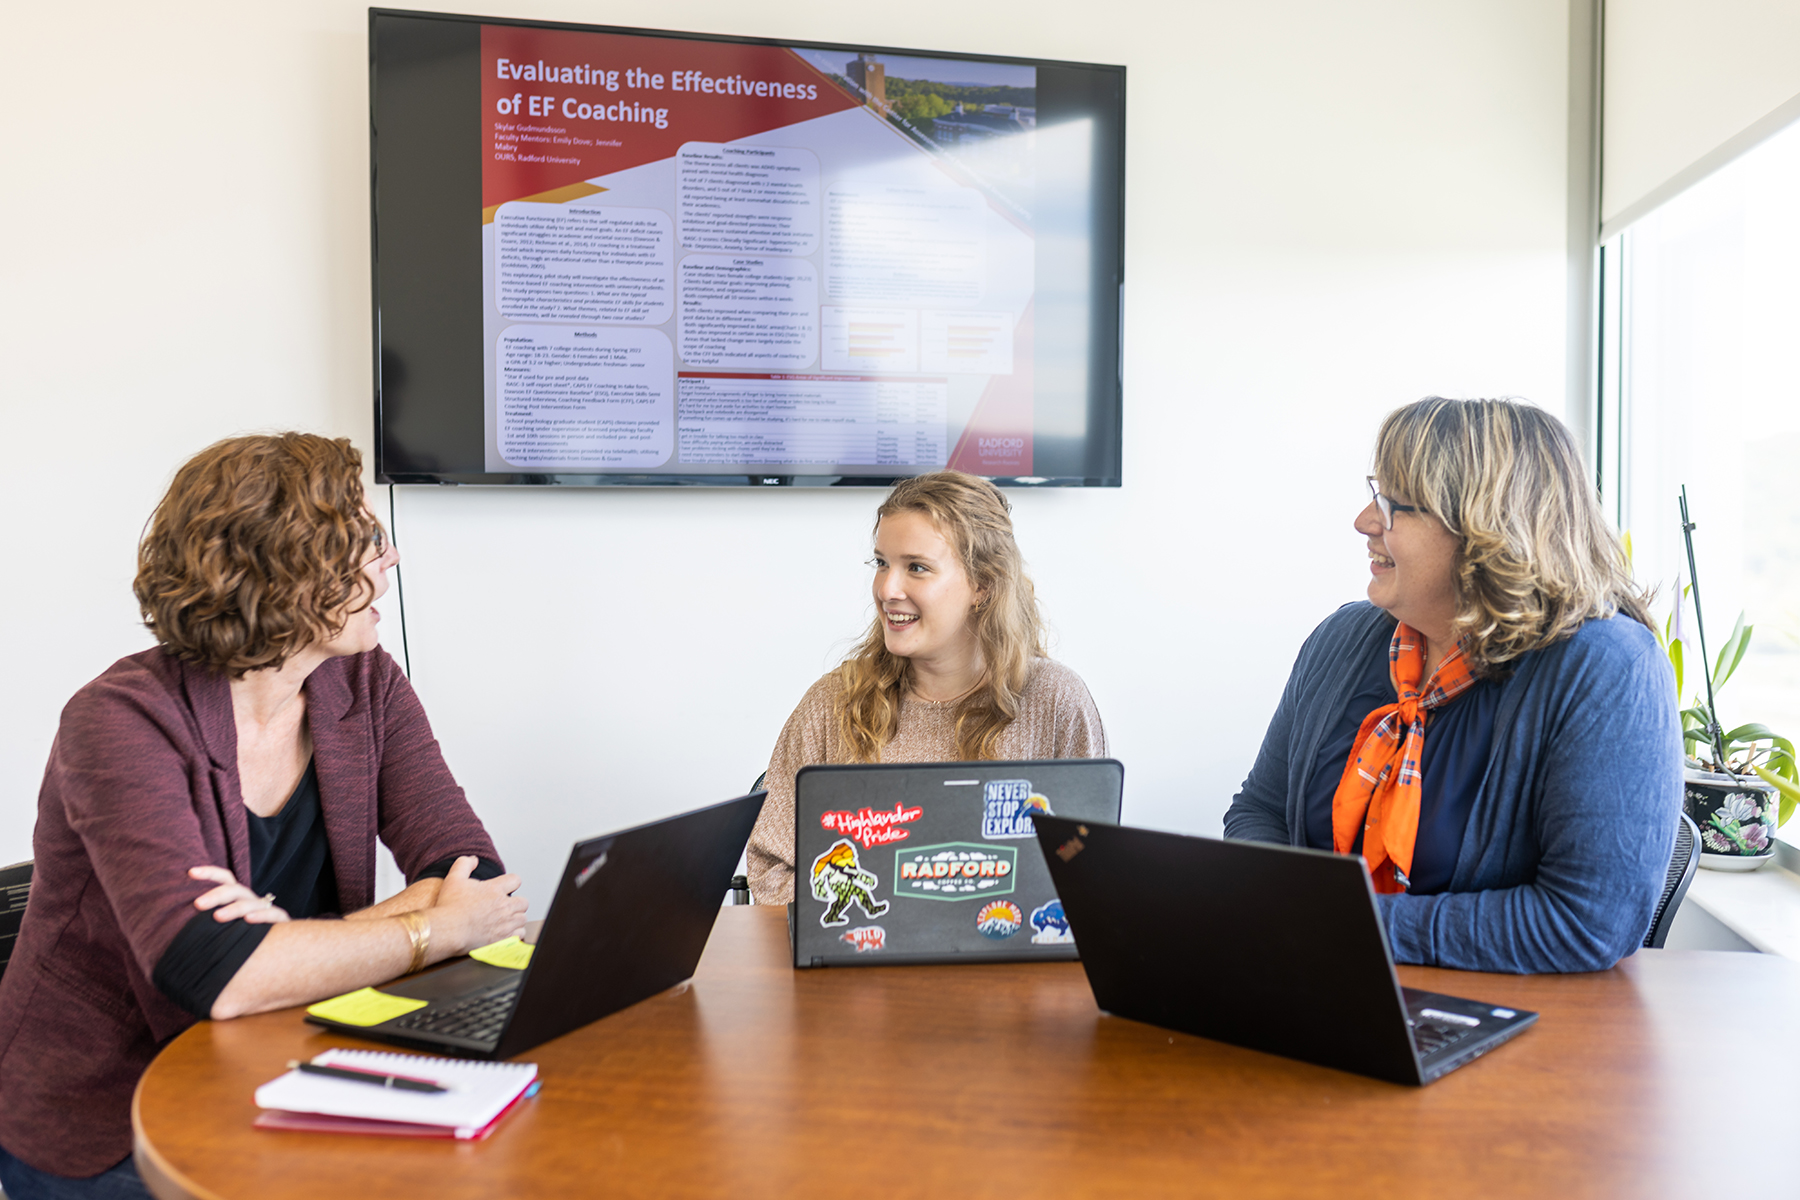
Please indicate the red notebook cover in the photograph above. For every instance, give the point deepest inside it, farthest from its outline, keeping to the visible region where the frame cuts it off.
(275, 1118)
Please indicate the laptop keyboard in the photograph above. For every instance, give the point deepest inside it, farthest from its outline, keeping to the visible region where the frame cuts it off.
(477, 1019)
(1431, 1036)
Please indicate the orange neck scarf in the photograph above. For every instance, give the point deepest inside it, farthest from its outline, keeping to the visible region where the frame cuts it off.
(1378, 796)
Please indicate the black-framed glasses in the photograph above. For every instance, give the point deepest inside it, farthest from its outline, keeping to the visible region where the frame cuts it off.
(1387, 507)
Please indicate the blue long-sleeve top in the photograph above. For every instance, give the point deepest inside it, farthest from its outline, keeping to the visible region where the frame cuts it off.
(1566, 844)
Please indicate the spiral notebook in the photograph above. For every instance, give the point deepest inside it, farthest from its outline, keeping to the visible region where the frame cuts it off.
(480, 1093)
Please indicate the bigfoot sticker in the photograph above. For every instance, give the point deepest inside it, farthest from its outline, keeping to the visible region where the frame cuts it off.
(838, 881)
(1006, 808)
(869, 937)
(999, 919)
(1052, 927)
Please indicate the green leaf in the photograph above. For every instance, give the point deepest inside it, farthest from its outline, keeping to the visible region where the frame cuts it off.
(1732, 652)
(1784, 762)
(1789, 792)
(1676, 656)
(1751, 733)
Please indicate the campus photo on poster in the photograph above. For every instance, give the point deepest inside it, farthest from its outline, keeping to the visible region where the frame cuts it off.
(704, 258)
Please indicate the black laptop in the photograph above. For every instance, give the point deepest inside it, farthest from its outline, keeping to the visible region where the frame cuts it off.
(629, 920)
(1270, 947)
(935, 862)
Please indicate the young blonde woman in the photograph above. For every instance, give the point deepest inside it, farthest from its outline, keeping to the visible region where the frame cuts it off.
(953, 668)
(1494, 731)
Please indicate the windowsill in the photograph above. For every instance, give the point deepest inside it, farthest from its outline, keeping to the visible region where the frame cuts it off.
(1761, 906)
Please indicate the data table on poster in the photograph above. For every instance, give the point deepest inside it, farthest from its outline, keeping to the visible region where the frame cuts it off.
(812, 419)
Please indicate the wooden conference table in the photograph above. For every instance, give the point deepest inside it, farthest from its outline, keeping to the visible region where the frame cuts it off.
(1671, 1075)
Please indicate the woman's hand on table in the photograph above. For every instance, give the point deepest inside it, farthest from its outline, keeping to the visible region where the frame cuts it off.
(231, 900)
(471, 913)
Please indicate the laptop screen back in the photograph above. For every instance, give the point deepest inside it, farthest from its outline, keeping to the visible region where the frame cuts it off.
(1270, 947)
(935, 862)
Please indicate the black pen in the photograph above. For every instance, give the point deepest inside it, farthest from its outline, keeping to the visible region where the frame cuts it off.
(379, 1080)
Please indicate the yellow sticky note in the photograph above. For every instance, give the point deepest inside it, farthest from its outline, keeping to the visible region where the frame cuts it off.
(510, 953)
(364, 1007)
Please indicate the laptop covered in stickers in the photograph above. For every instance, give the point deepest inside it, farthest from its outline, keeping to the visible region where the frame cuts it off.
(935, 862)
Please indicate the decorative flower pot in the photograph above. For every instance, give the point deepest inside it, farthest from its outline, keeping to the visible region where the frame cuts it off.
(1736, 819)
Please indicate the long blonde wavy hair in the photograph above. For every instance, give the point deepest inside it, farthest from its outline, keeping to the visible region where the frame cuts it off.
(975, 519)
(1537, 556)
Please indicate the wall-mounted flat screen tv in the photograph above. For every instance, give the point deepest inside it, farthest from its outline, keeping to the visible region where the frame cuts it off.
(623, 256)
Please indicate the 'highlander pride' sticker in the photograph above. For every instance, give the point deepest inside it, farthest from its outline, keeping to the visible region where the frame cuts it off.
(1006, 808)
(955, 871)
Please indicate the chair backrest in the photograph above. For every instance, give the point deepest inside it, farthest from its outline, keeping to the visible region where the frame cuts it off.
(760, 780)
(1675, 885)
(15, 890)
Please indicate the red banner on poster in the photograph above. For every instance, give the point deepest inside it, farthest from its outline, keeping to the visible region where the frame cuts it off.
(997, 439)
(560, 107)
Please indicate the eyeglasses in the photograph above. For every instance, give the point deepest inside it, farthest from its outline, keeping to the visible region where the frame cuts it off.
(1388, 507)
(379, 540)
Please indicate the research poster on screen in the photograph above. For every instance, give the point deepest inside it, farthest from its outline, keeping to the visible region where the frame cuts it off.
(704, 258)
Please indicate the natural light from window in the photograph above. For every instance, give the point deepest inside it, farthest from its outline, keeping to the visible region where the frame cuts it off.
(1708, 362)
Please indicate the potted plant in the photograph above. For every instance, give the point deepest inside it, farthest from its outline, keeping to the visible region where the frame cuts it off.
(1741, 784)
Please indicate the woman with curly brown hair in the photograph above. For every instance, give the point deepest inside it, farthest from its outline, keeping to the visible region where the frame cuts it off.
(1495, 730)
(212, 802)
(953, 668)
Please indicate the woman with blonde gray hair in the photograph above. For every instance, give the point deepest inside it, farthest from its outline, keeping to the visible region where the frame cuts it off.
(953, 668)
(1494, 731)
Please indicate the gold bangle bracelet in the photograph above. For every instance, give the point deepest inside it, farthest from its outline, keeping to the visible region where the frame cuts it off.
(418, 932)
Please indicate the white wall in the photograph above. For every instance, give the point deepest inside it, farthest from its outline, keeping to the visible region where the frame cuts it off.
(1332, 209)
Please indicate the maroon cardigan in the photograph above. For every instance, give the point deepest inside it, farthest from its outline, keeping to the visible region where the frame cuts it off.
(142, 784)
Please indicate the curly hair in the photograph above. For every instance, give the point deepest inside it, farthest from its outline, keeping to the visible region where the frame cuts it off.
(256, 551)
(972, 515)
(1537, 556)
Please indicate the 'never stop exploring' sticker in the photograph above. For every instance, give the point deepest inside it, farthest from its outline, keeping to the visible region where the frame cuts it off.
(1006, 808)
(955, 871)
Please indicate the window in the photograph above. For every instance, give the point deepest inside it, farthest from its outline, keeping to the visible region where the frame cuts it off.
(1701, 386)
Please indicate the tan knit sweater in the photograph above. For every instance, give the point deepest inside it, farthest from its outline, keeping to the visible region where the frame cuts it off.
(1057, 719)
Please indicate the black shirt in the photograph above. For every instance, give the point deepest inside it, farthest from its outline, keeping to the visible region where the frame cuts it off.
(1459, 737)
(289, 856)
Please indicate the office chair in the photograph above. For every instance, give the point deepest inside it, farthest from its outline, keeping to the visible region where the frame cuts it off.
(1675, 886)
(15, 889)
